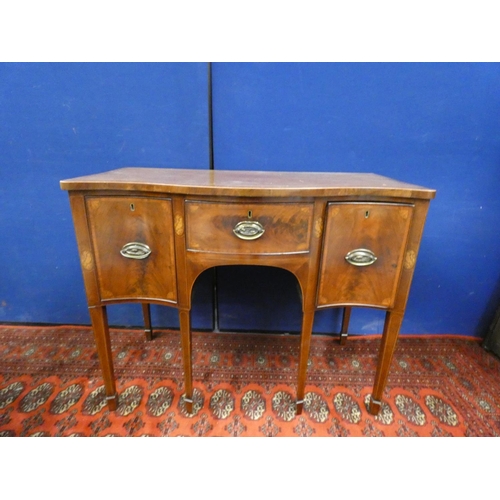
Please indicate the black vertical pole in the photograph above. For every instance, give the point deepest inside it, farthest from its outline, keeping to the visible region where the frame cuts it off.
(215, 305)
(210, 120)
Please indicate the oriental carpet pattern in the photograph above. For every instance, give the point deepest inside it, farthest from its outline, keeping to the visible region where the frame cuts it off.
(51, 385)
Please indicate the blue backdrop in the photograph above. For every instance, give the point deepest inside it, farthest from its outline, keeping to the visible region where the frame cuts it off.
(64, 120)
(437, 125)
(430, 124)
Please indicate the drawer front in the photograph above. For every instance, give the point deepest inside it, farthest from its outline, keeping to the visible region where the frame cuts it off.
(248, 228)
(133, 245)
(363, 252)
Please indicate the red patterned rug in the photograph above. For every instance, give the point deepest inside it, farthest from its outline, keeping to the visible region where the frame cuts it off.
(50, 385)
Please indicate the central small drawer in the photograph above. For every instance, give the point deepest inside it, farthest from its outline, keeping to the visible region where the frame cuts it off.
(248, 228)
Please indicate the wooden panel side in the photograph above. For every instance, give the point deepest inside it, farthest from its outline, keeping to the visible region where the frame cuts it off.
(411, 253)
(85, 249)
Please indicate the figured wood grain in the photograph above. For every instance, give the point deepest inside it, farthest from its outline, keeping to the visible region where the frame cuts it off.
(379, 227)
(210, 225)
(85, 249)
(117, 220)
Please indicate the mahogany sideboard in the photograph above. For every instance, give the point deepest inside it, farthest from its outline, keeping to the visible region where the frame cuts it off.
(145, 234)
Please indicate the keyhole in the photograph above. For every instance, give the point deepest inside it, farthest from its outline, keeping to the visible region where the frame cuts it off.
(249, 214)
(367, 214)
(132, 207)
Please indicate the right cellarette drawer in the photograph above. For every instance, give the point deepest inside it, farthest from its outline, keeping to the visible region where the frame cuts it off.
(363, 249)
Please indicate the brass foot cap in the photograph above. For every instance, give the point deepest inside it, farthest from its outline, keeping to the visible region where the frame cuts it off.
(374, 406)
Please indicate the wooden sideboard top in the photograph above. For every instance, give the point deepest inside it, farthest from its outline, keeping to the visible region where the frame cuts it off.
(246, 183)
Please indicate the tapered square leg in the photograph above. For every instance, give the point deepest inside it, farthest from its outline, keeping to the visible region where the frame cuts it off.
(305, 345)
(393, 321)
(148, 330)
(99, 318)
(346, 316)
(185, 324)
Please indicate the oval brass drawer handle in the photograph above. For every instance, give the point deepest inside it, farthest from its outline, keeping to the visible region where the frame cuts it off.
(361, 257)
(135, 250)
(249, 230)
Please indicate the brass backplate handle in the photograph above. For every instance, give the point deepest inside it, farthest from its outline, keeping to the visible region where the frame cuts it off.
(361, 257)
(135, 250)
(249, 230)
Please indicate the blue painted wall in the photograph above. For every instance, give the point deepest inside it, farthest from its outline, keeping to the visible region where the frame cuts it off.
(437, 125)
(65, 120)
(432, 124)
